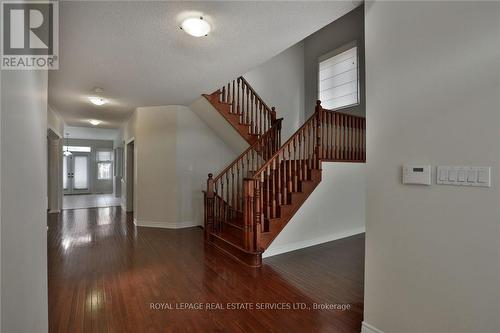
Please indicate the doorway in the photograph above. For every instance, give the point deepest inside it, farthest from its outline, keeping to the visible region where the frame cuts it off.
(76, 173)
(130, 176)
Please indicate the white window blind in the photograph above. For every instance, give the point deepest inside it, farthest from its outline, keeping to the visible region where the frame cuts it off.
(338, 80)
(103, 170)
(104, 164)
(104, 156)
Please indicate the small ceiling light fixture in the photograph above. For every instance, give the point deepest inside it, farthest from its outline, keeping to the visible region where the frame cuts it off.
(94, 122)
(66, 151)
(96, 98)
(196, 26)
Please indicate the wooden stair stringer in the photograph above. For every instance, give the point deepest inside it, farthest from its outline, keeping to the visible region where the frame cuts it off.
(233, 119)
(288, 211)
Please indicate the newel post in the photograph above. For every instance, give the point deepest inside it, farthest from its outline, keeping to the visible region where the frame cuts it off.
(319, 121)
(278, 132)
(248, 213)
(209, 206)
(273, 115)
(258, 214)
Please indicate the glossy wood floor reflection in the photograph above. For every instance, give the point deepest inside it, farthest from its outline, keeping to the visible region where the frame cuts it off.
(104, 274)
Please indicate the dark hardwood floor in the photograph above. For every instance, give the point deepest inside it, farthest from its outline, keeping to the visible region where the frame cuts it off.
(105, 275)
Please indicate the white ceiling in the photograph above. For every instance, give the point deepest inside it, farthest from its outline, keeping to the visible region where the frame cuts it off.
(138, 55)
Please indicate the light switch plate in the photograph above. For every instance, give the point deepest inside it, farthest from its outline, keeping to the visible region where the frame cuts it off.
(463, 176)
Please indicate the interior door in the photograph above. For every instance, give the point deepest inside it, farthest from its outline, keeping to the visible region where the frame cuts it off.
(76, 173)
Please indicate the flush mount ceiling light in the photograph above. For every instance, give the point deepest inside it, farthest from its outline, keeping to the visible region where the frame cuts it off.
(96, 100)
(96, 97)
(94, 122)
(196, 26)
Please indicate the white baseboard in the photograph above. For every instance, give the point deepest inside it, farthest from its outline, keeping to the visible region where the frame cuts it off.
(164, 224)
(367, 328)
(272, 251)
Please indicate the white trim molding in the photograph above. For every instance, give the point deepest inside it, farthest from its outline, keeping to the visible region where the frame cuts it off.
(367, 328)
(311, 242)
(165, 224)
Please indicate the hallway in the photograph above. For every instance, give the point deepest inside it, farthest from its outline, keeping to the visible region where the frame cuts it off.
(105, 273)
(77, 201)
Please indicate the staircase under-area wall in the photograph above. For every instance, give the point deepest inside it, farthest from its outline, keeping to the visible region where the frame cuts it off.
(252, 199)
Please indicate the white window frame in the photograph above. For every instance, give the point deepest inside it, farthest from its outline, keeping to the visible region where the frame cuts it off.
(78, 149)
(334, 53)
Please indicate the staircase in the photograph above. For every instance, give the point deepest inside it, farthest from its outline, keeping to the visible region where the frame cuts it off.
(251, 201)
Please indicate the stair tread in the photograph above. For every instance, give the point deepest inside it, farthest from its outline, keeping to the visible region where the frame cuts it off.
(231, 238)
(236, 223)
(235, 249)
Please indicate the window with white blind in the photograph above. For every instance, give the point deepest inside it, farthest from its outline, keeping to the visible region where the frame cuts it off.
(338, 85)
(104, 164)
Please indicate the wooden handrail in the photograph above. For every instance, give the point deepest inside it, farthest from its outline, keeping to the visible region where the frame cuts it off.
(255, 93)
(287, 142)
(262, 138)
(244, 102)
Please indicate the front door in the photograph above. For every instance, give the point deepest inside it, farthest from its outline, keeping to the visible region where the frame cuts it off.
(76, 173)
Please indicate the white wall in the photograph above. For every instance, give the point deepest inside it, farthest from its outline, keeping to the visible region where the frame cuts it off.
(336, 209)
(155, 200)
(433, 83)
(55, 121)
(92, 133)
(54, 172)
(127, 134)
(174, 151)
(199, 152)
(23, 201)
(218, 124)
(55, 126)
(280, 83)
(1, 279)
